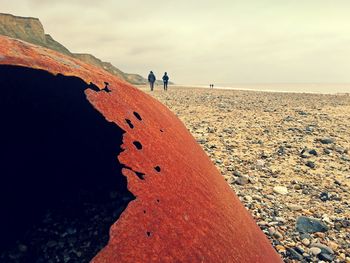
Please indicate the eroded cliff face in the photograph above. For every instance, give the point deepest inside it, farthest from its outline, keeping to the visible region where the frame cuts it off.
(31, 30)
(26, 28)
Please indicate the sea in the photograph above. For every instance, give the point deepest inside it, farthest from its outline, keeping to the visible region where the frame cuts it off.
(321, 88)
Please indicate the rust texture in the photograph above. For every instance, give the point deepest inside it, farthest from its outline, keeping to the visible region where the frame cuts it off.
(184, 210)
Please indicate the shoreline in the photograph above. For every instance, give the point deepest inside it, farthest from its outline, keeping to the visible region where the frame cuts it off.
(249, 87)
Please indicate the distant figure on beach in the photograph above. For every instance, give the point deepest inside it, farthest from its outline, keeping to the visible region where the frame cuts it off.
(211, 86)
(151, 79)
(165, 81)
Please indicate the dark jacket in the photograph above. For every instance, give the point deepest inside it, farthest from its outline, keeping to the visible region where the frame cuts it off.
(151, 77)
(165, 78)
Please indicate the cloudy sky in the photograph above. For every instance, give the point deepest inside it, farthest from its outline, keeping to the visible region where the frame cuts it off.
(202, 41)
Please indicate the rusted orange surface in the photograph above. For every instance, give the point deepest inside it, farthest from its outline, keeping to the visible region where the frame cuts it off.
(185, 212)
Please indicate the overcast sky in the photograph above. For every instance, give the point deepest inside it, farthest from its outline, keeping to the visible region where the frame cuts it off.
(198, 42)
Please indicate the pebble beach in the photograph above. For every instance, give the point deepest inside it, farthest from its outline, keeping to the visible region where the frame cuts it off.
(285, 155)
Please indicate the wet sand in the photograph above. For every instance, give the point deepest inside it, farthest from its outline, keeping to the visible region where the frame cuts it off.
(286, 155)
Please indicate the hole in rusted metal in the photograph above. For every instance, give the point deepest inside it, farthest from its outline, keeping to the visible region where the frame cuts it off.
(140, 175)
(106, 88)
(137, 116)
(129, 123)
(61, 185)
(157, 168)
(138, 145)
(148, 233)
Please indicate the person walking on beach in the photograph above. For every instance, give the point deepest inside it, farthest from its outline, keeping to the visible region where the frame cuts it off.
(151, 80)
(165, 81)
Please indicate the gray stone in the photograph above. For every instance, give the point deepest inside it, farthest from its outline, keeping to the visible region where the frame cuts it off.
(242, 181)
(327, 140)
(324, 196)
(324, 248)
(327, 151)
(281, 150)
(345, 158)
(310, 225)
(305, 235)
(293, 254)
(237, 173)
(313, 152)
(309, 129)
(339, 149)
(326, 257)
(310, 164)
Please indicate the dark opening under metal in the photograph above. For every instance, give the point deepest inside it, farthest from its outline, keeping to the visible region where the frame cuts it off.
(61, 185)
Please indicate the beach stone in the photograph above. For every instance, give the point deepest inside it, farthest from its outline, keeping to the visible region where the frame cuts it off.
(337, 182)
(281, 150)
(324, 248)
(211, 130)
(306, 242)
(248, 198)
(299, 250)
(256, 197)
(280, 219)
(326, 257)
(310, 225)
(294, 207)
(339, 149)
(313, 152)
(242, 180)
(297, 187)
(231, 180)
(281, 249)
(288, 118)
(278, 235)
(332, 245)
(345, 158)
(309, 129)
(237, 173)
(305, 235)
(260, 163)
(315, 251)
(324, 196)
(342, 256)
(320, 234)
(280, 190)
(293, 254)
(327, 151)
(310, 164)
(327, 140)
